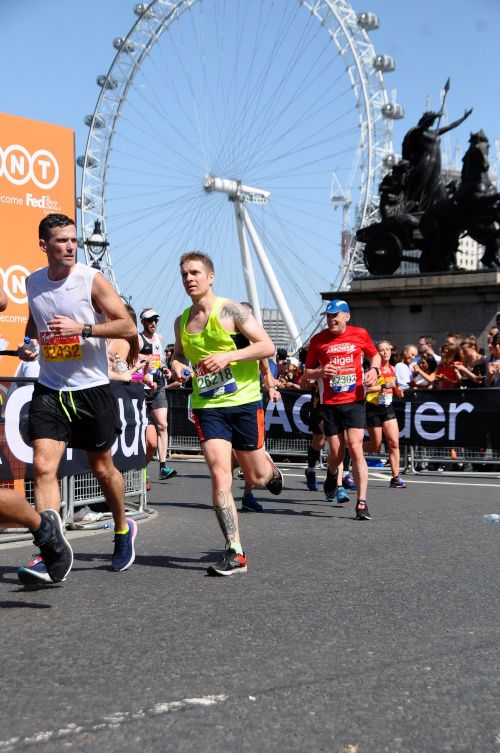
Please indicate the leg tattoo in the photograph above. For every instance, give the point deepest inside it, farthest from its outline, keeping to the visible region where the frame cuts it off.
(225, 517)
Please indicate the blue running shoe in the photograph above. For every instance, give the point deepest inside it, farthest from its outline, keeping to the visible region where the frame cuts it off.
(311, 480)
(248, 502)
(34, 573)
(341, 495)
(348, 482)
(397, 483)
(124, 553)
(374, 463)
(166, 473)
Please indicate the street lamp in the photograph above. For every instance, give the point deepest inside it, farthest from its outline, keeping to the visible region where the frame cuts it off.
(97, 245)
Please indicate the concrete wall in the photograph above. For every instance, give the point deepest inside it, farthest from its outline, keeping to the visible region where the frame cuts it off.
(404, 308)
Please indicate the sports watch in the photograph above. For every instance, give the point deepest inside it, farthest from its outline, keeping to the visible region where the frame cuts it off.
(87, 331)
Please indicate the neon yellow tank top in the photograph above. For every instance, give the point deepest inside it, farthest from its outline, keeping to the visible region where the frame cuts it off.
(237, 384)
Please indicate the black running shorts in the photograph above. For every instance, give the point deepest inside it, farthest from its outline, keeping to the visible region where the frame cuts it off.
(84, 419)
(338, 418)
(376, 415)
(156, 398)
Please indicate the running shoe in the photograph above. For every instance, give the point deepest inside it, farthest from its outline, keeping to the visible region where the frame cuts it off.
(241, 475)
(311, 480)
(374, 463)
(341, 495)
(330, 489)
(248, 502)
(230, 564)
(166, 473)
(397, 483)
(124, 553)
(34, 573)
(362, 512)
(55, 550)
(348, 482)
(275, 485)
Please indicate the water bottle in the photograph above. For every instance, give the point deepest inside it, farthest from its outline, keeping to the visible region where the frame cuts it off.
(492, 518)
(30, 346)
(185, 375)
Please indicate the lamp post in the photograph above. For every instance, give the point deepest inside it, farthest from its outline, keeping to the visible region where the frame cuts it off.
(96, 245)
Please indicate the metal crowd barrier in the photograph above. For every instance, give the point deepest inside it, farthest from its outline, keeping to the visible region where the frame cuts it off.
(80, 490)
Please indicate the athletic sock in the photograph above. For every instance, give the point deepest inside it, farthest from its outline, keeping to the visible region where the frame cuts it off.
(162, 464)
(125, 530)
(312, 457)
(236, 547)
(330, 485)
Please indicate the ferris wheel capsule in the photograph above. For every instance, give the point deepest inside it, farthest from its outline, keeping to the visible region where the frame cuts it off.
(368, 21)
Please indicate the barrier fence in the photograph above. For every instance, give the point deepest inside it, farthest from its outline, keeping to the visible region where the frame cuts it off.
(455, 431)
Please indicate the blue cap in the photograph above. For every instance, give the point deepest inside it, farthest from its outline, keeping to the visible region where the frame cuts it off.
(335, 306)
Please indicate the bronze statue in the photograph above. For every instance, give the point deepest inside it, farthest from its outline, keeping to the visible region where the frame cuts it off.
(419, 212)
(421, 149)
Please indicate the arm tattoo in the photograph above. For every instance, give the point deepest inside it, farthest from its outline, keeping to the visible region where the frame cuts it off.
(226, 519)
(234, 311)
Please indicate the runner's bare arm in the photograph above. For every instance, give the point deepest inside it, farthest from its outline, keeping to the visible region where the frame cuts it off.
(105, 300)
(233, 317)
(179, 362)
(371, 375)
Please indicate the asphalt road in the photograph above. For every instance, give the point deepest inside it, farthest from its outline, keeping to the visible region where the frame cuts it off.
(344, 636)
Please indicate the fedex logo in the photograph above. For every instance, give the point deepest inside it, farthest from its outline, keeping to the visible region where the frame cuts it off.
(18, 166)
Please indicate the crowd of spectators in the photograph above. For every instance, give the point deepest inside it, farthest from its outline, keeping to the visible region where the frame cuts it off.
(459, 362)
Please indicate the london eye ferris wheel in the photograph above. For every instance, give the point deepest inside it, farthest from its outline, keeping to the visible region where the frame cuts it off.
(237, 127)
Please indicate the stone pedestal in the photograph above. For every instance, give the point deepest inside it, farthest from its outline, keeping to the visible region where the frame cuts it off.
(404, 308)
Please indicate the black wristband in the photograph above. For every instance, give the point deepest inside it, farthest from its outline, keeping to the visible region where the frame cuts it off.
(376, 369)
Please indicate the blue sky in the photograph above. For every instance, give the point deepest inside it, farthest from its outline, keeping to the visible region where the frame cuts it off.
(69, 44)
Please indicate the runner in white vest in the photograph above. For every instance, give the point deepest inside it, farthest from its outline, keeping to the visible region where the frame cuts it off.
(73, 308)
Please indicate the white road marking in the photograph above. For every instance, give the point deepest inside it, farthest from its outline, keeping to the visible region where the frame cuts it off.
(110, 721)
(385, 477)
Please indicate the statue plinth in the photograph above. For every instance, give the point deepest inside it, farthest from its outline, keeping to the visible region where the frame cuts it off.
(403, 308)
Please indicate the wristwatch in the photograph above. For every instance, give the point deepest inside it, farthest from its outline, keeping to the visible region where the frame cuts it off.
(87, 331)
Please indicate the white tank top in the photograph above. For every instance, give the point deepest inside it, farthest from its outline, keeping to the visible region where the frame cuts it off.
(67, 363)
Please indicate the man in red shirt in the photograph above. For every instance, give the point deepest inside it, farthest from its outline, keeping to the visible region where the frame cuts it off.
(335, 360)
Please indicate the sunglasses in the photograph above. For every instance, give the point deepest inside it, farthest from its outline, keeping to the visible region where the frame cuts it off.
(153, 319)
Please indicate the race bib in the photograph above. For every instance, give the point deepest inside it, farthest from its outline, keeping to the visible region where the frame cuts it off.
(59, 348)
(343, 382)
(215, 385)
(385, 398)
(154, 360)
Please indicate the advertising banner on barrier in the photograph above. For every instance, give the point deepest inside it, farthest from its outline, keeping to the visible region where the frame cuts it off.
(467, 418)
(16, 455)
(37, 177)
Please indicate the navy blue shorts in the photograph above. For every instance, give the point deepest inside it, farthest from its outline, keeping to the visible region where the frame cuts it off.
(242, 425)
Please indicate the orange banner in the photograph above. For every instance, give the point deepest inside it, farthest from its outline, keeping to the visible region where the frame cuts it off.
(37, 177)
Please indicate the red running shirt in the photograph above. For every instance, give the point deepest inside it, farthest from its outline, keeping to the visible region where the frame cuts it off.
(345, 350)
